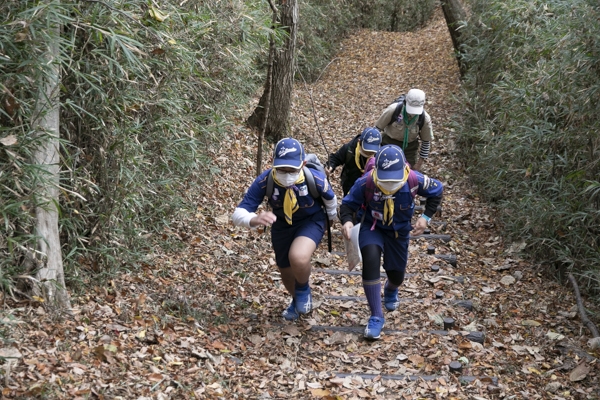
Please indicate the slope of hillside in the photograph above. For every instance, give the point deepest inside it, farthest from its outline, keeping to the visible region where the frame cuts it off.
(204, 320)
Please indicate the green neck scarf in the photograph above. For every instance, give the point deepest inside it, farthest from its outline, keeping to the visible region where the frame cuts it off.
(407, 123)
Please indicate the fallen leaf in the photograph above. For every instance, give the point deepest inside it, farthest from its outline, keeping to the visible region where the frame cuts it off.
(416, 359)
(465, 345)
(529, 322)
(9, 140)
(155, 377)
(117, 327)
(223, 219)
(554, 336)
(579, 373)
(337, 337)
(320, 392)
(10, 352)
(78, 371)
(507, 280)
(157, 15)
(291, 330)
(218, 345)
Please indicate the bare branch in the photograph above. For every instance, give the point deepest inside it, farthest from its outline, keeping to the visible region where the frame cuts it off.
(273, 7)
(582, 313)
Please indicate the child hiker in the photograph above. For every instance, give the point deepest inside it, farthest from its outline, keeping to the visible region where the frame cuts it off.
(383, 199)
(297, 219)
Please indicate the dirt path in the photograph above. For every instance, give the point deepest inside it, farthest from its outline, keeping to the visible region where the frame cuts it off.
(204, 321)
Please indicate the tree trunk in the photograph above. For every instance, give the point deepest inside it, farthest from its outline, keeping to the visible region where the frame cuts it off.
(282, 79)
(267, 92)
(455, 16)
(45, 121)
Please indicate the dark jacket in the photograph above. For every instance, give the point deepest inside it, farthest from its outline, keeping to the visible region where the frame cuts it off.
(345, 157)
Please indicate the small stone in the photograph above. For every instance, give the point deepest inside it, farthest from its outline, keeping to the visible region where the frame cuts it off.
(553, 387)
(478, 337)
(468, 304)
(105, 339)
(493, 389)
(439, 294)
(430, 250)
(236, 360)
(435, 268)
(507, 280)
(518, 275)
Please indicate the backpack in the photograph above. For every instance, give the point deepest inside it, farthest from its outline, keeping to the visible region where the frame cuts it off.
(400, 103)
(312, 161)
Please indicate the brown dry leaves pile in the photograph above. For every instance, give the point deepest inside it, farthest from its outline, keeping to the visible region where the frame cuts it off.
(204, 320)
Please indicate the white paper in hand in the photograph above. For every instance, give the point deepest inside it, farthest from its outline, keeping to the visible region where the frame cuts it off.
(352, 248)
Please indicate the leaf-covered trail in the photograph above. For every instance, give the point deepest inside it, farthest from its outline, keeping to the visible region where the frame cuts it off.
(204, 321)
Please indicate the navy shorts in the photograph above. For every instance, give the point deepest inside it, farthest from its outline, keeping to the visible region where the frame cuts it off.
(282, 237)
(395, 249)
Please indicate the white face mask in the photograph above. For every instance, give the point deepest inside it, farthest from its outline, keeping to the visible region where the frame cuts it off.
(286, 180)
(390, 186)
(366, 154)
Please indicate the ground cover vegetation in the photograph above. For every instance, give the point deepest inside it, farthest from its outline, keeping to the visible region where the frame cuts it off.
(143, 89)
(529, 128)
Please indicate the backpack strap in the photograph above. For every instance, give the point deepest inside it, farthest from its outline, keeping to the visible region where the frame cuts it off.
(370, 164)
(269, 191)
(413, 183)
(399, 104)
(312, 186)
(370, 188)
(421, 120)
(270, 184)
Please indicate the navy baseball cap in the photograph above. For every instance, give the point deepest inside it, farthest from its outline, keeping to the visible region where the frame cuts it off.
(370, 139)
(390, 163)
(288, 153)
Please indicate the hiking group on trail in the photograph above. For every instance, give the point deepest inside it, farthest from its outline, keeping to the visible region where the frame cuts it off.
(379, 187)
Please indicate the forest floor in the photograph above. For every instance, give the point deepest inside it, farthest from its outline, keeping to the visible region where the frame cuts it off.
(204, 321)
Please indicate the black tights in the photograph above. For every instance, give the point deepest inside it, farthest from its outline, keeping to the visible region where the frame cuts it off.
(371, 257)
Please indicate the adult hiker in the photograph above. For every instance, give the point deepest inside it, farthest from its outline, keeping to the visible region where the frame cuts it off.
(297, 218)
(406, 124)
(353, 156)
(384, 202)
